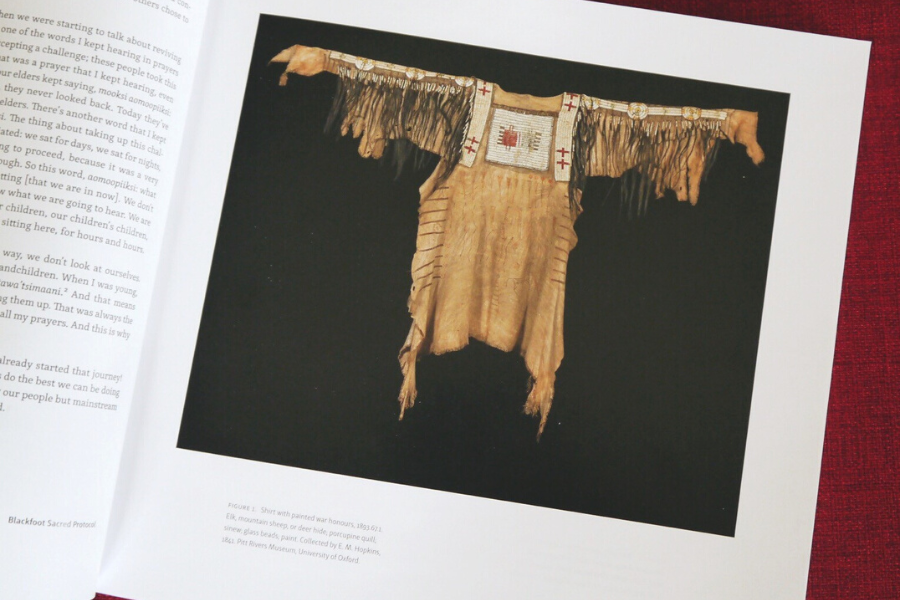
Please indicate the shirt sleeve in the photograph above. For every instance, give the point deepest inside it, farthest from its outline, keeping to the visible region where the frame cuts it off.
(672, 147)
(377, 102)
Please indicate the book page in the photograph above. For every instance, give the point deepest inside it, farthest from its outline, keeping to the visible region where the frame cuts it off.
(680, 456)
(91, 123)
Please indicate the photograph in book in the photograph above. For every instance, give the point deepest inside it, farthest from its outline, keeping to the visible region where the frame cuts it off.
(396, 195)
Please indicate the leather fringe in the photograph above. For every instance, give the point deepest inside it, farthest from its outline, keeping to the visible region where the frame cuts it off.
(651, 155)
(383, 109)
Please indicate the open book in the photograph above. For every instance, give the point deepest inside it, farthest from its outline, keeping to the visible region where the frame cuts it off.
(203, 297)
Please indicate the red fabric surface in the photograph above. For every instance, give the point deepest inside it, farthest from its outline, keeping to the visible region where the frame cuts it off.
(856, 545)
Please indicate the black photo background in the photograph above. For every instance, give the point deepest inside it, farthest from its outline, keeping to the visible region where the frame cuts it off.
(296, 360)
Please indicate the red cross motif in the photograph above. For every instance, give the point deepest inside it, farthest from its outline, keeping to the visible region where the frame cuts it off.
(484, 90)
(470, 149)
(510, 138)
(562, 163)
(569, 105)
(563, 151)
(474, 140)
(571, 95)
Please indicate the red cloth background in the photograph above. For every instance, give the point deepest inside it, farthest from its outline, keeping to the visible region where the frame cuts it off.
(856, 545)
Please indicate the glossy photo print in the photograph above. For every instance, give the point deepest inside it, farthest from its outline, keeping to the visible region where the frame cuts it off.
(491, 274)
